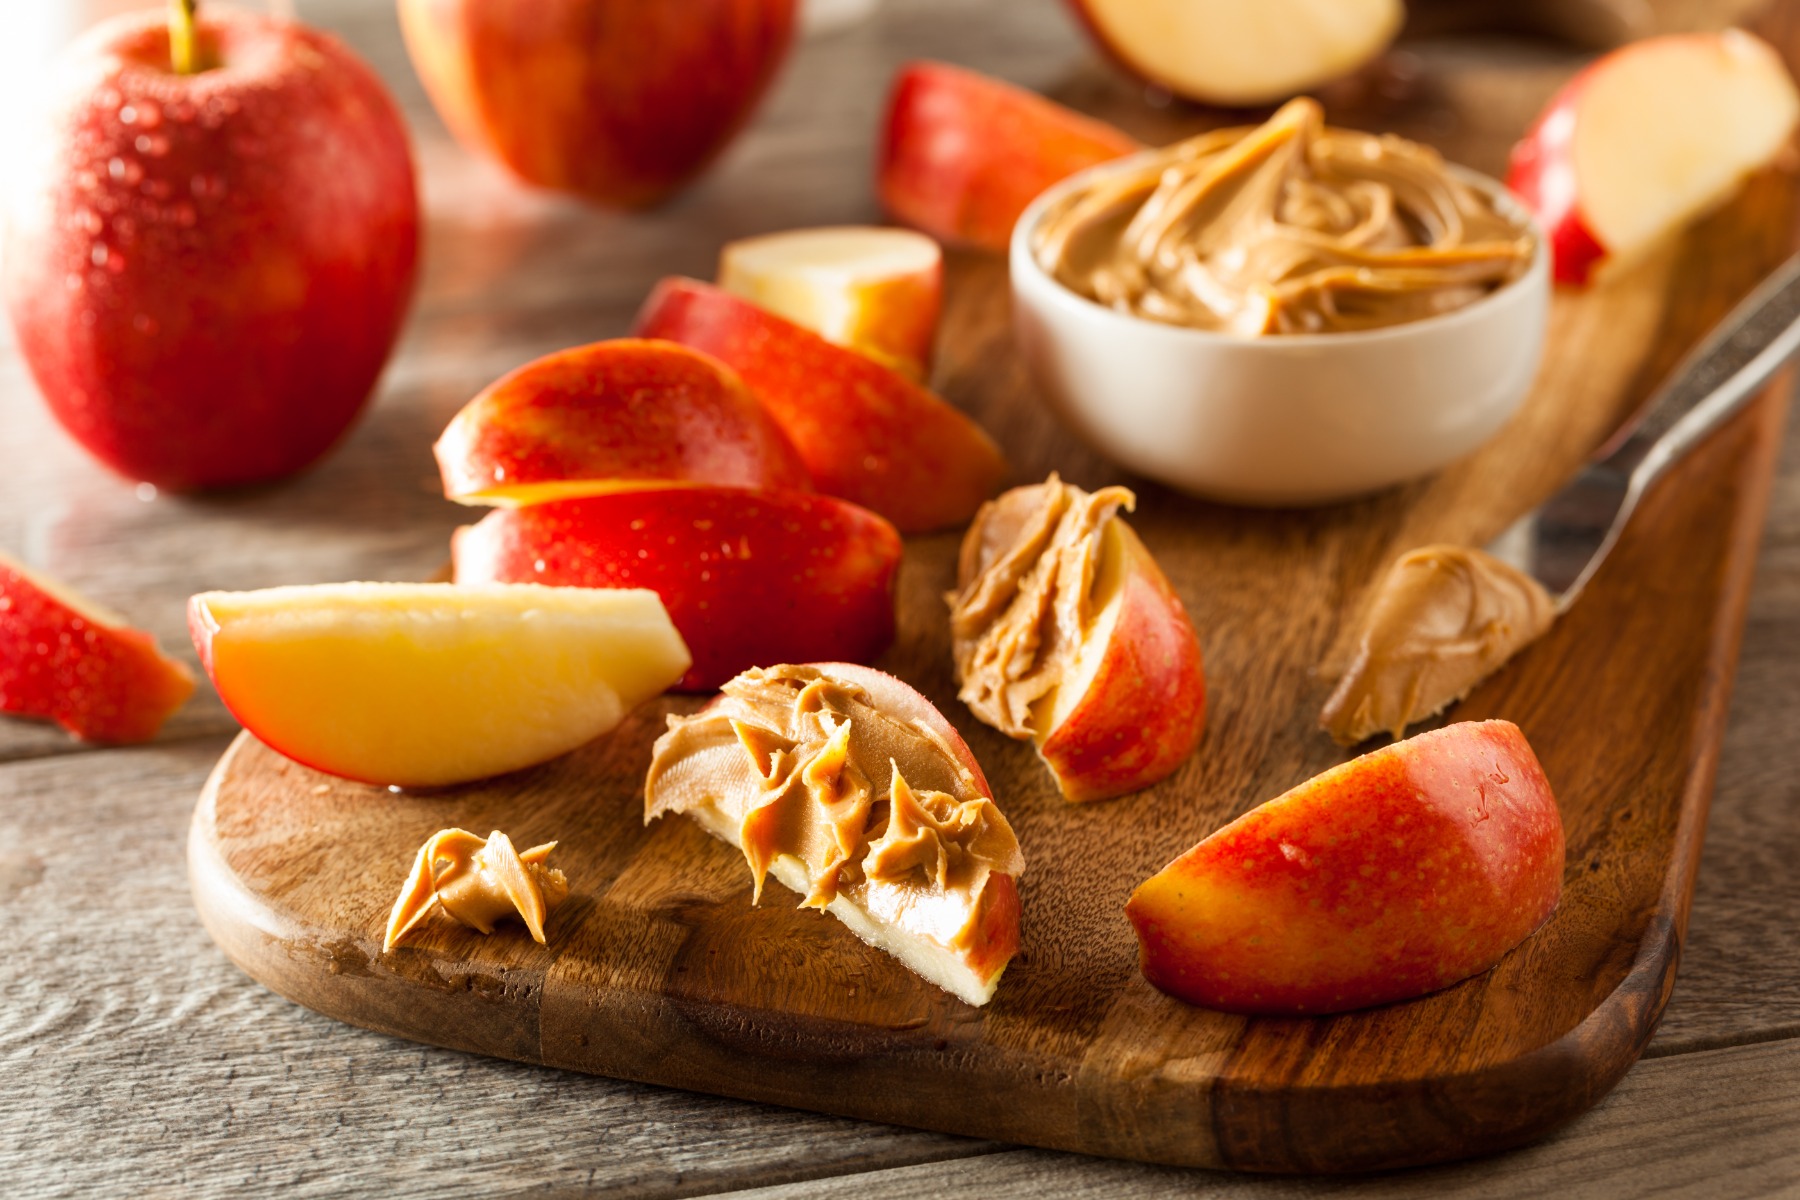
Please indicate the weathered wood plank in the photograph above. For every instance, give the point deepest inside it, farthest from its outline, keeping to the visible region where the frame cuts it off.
(1719, 1125)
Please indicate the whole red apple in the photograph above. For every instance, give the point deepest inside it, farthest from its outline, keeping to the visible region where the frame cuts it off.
(206, 270)
(619, 101)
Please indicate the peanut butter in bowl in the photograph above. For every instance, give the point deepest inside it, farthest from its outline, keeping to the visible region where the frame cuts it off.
(1283, 315)
(1290, 227)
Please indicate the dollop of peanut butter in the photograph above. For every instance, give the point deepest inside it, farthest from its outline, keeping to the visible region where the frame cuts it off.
(478, 881)
(1288, 227)
(874, 805)
(1025, 597)
(1445, 618)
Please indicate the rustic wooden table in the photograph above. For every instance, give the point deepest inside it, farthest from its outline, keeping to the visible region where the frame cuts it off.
(139, 1060)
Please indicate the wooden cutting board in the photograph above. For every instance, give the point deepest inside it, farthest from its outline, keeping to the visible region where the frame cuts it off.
(659, 969)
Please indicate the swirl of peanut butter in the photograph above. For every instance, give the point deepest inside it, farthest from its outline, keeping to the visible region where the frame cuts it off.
(1445, 618)
(477, 881)
(804, 765)
(1024, 600)
(1288, 227)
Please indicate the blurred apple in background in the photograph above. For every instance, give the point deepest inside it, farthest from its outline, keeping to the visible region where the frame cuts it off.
(207, 270)
(619, 101)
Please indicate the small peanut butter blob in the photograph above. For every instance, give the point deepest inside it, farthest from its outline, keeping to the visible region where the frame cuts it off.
(1445, 618)
(1025, 598)
(481, 881)
(1286, 228)
(873, 805)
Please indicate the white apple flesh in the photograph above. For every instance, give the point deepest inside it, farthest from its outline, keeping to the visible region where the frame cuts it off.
(1648, 138)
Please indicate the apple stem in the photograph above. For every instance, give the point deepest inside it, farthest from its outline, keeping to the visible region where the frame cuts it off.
(181, 36)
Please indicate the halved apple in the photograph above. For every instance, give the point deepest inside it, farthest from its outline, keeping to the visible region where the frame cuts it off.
(425, 684)
(871, 289)
(1389, 876)
(866, 433)
(749, 578)
(963, 154)
(1646, 139)
(852, 790)
(625, 413)
(66, 659)
(1237, 54)
(1066, 632)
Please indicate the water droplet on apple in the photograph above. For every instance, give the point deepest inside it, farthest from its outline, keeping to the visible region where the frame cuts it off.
(99, 254)
(125, 170)
(128, 115)
(87, 181)
(146, 324)
(154, 144)
(146, 492)
(185, 216)
(108, 98)
(157, 188)
(149, 116)
(72, 281)
(89, 221)
(89, 318)
(207, 185)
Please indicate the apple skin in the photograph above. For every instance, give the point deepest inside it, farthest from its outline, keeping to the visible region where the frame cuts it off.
(1145, 709)
(1384, 878)
(962, 154)
(613, 415)
(206, 292)
(101, 681)
(866, 433)
(1542, 174)
(617, 101)
(749, 578)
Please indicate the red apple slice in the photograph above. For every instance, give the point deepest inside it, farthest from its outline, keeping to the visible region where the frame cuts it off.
(956, 921)
(1066, 632)
(65, 659)
(865, 432)
(1646, 139)
(962, 154)
(619, 414)
(1390, 876)
(1232, 53)
(422, 684)
(873, 290)
(749, 578)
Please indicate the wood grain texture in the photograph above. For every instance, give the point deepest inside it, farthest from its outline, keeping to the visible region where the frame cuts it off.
(1729, 1125)
(135, 1051)
(659, 970)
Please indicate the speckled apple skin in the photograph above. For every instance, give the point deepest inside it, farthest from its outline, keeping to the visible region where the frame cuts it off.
(1145, 710)
(101, 682)
(207, 272)
(866, 433)
(1542, 174)
(962, 155)
(615, 413)
(750, 578)
(1390, 876)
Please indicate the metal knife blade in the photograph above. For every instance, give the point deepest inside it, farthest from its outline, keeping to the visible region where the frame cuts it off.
(1563, 541)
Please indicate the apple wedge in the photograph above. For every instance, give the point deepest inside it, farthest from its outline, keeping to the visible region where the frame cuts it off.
(1646, 139)
(64, 658)
(873, 290)
(1067, 633)
(852, 790)
(1236, 54)
(1387, 877)
(748, 577)
(613, 415)
(426, 684)
(962, 154)
(866, 433)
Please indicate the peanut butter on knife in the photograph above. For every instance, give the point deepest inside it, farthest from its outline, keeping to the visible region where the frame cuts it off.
(1444, 619)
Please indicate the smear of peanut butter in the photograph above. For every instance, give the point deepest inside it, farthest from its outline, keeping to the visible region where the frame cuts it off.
(1289, 227)
(478, 881)
(874, 805)
(1445, 618)
(1023, 603)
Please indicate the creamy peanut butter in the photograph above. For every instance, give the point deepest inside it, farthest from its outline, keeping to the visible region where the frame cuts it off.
(1445, 618)
(791, 763)
(1025, 596)
(480, 881)
(1289, 227)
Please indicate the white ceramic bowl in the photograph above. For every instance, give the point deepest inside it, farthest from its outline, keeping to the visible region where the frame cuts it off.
(1287, 420)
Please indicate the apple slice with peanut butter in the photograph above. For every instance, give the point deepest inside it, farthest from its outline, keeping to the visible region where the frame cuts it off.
(849, 788)
(1066, 633)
